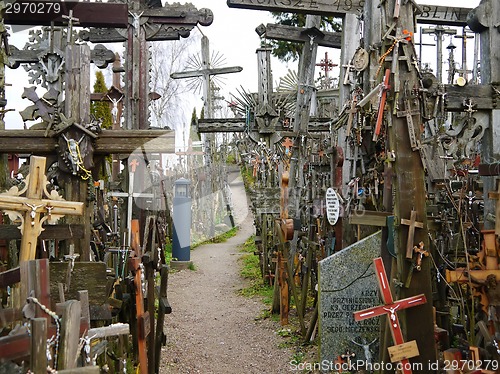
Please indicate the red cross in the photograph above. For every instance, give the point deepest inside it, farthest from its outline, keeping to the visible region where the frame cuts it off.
(326, 64)
(133, 164)
(390, 308)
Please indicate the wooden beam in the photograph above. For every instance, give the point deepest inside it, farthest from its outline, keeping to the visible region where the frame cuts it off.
(489, 170)
(298, 34)
(371, 218)
(60, 232)
(482, 95)
(42, 13)
(443, 15)
(10, 277)
(335, 8)
(108, 141)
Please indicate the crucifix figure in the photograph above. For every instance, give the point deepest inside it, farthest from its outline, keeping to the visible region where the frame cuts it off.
(492, 289)
(114, 110)
(29, 208)
(390, 307)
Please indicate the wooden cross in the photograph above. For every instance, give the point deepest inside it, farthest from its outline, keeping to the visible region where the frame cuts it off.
(288, 143)
(70, 19)
(412, 223)
(409, 113)
(30, 207)
(496, 196)
(390, 308)
(326, 65)
(381, 106)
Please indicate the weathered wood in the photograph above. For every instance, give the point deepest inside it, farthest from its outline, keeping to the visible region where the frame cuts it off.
(108, 141)
(59, 232)
(163, 308)
(299, 35)
(38, 355)
(202, 72)
(43, 13)
(482, 96)
(443, 15)
(371, 218)
(18, 346)
(35, 282)
(10, 277)
(81, 370)
(80, 280)
(336, 8)
(108, 331)
(70, 335)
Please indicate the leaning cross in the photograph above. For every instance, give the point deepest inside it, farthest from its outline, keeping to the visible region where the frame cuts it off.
(390, 308)
(30, 207)
(412, 223)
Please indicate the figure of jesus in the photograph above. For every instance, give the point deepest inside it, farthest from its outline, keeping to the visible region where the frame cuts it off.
(114, 111)
(493, 295)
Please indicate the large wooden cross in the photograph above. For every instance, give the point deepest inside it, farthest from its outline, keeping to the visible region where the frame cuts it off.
(29, 208)
(390, 307)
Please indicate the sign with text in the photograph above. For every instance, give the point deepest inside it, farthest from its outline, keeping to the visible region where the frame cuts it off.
(320, 7)
(403, 351)
(443, 15)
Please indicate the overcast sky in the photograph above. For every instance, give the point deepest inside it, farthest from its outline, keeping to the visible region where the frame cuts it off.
(231, 34)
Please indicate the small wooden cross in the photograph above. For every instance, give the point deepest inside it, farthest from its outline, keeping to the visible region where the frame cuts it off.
(348, 69)
(70, 19)
(496, 196)
(288, 143)
(29, 208)
(412, 223)
(390, 308)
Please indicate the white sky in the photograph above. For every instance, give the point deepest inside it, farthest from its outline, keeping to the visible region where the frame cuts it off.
(231, 34)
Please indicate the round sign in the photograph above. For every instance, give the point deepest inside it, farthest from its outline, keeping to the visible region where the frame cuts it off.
(332, 206)
(360, 59)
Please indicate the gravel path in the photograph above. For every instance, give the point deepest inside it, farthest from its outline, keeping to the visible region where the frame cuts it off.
(212, 329)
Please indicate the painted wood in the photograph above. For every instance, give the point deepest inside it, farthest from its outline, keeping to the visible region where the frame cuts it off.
(59, 232)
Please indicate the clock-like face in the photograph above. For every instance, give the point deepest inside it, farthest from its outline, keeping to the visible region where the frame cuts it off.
(360, 59)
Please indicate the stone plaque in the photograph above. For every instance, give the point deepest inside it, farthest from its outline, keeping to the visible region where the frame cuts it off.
(347, 283)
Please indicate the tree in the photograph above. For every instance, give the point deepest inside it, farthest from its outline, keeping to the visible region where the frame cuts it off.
(167, 58)
(288, 51)
(101, 109)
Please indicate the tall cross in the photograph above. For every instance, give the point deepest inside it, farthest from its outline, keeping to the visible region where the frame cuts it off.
(326, 65)
(33, 209)
(130, 195)
(390, 308)
(439, 31)
(463, 72)
(206, 72)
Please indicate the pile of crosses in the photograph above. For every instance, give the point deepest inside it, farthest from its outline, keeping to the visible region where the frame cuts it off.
(417, 167)
(100, 303)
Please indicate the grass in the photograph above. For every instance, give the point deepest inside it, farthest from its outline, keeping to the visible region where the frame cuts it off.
(221, 238)
(291, 337)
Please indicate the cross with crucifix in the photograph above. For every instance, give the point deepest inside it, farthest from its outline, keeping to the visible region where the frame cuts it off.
(326, 65)
(31, 207)
(390, 307)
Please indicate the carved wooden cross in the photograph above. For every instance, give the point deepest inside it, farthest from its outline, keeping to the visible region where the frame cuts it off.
(288, 143)
(412, 223)
(29, 208)
(390, 307)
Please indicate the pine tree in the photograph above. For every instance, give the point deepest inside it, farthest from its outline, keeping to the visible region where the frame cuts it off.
(101, 109)
(289, 51)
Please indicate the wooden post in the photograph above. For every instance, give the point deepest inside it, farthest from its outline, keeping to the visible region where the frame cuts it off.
(38, 353)
(77, 106)
(163, 308)
(70, 335)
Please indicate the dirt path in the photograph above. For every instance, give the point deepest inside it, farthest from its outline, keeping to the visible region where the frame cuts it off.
(212, 329)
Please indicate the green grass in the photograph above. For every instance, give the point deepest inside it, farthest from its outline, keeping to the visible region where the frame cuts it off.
(217, 239)
(250, 270)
